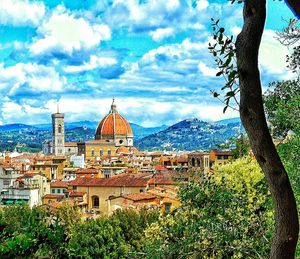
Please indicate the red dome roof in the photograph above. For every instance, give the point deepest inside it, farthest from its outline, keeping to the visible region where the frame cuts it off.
(113, 124)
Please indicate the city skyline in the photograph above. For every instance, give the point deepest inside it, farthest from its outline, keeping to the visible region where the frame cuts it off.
(151, 56)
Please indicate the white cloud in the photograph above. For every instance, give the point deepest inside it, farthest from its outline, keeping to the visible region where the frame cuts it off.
(21, 12)
(161, 33)
(207, 71)
(30, 77)
(202, 4)
(144, 111)
(272, 56)
(62, 32)
(95, 62)
(172, 5)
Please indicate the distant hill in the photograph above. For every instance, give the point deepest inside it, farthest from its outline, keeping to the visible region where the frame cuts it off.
(12, 135)
(141, 132)
(192, 134)
(69, 125)
(138, 131)
(14, 127)
(229, 121)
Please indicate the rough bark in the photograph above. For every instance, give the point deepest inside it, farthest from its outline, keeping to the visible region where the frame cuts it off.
(253, 118)
(294, 6)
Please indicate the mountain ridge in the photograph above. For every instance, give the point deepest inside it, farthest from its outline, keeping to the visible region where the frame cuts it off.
(189, 134)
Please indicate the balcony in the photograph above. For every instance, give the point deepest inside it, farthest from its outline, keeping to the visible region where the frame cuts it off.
(15, 197)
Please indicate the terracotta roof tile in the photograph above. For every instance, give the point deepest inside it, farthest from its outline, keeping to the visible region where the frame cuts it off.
(129, 181)
(53, 196)
(140, 196)
(161, 181)
(77, 194)
(59, 184)
(87, 171)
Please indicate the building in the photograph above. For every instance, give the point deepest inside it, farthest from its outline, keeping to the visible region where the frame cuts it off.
(51, 166)
(71, 148)
(218, 157)
(114, 128)
(28, 189)
(100, 189)
(199, 161)
(8, 176)
(112, 132)
(58, 133)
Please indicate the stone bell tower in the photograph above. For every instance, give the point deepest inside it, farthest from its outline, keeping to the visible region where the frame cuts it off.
(58, 133)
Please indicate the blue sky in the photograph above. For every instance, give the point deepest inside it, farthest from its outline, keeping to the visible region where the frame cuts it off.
(151, 55)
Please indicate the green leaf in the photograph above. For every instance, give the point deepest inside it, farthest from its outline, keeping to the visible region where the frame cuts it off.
(225, 108)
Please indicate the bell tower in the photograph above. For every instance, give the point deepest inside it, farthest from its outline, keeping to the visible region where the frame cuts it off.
(58, 133)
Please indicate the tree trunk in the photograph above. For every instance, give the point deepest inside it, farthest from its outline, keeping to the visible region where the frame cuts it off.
(294, 6)
(253, 118)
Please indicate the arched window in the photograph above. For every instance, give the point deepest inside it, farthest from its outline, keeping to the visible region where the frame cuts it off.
(59, 128)
(108, 152)
(198, 162)
(93, 152)
(193, 161)
(95, 201)
(101, 152)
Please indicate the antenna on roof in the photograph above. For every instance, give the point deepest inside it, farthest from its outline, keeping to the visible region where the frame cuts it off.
(57, 106)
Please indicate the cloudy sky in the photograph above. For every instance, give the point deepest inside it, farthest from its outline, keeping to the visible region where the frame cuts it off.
(151, 55)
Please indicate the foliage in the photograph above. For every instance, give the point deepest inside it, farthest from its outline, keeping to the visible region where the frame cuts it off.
(223, 50)
(289, 153)
(26, 232)
(39, 232)
(282, 105)
(289, 37)
(227, 214)
(133, 223)
(99, 238)
(242, 147)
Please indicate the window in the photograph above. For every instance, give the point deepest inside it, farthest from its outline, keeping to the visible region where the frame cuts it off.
(101, 152)
(193, 161)
(59, 128)
(95, 201)
(167, 207)
(58, 190)
(53, 191)
(109, 152)
(120, 141)
(5, 182)
(93, 152)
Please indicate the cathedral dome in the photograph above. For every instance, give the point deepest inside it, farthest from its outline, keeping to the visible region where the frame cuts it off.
(115, 127)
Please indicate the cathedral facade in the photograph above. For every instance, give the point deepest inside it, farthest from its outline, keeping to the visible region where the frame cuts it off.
(112, 132)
